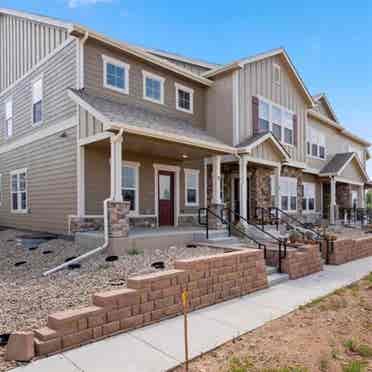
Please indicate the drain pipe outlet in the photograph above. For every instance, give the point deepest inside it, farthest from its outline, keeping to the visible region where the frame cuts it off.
(92, 252)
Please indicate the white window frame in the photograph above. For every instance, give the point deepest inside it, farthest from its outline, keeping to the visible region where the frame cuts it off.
(290, 194)
(18, 192)
(117, 63)
(308, 195)
(34, 81)
(315, 137)
(8, 118)
(150, 75)
(179, 87)
(282, 109)
(135, 166)
(276, 67)
(192, 172)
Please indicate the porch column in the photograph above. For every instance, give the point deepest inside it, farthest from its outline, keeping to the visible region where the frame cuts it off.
(332, 212)
(116, 165)
(216, 177)
(243, 162)
(277, 185)
(81, 181)
(362, 195)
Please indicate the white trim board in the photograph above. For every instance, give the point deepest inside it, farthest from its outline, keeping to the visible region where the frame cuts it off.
(39, 134)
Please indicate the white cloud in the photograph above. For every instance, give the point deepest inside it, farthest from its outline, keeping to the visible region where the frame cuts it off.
(77, 3)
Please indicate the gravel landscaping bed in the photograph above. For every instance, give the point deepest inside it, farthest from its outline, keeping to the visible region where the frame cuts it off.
(27, 298)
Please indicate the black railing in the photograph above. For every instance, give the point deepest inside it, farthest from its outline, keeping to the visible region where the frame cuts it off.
(355, 215)
(229, 224)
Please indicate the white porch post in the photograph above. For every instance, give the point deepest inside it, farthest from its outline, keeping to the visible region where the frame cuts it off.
(216, 176)
(361, 197)
(116, 165)
(81, 181)
(332, 214)
(277, 185)
(243, 162)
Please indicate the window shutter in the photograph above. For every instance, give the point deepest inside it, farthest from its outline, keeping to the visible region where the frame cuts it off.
(255, 121)
(295, 130)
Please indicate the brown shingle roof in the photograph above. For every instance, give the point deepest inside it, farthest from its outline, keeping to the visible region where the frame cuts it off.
(336, 163)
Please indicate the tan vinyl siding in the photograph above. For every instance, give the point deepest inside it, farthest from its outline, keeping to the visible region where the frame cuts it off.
(256, 79)
(352, 172)
(59, 73)
(220, 109)
(51, 183)
(94, 84)
(89, 125)
(335, 143)
(267, 151)
(97, 180)
(23, 44)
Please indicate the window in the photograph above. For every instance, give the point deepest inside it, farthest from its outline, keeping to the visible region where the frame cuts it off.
(129, 182)
(276, 119)
(9, 118)
(37, 101)
(315, 144)
(115, 75)
(308, 201)
(288, 193)
(191, 187)
(18, 187)
(276, 73)
(263, 116)
(153, 87)
(184, 98)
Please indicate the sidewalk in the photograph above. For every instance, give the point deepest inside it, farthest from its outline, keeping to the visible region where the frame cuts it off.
(159, 347)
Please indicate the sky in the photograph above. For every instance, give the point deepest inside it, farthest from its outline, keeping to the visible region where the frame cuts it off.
(330, 42)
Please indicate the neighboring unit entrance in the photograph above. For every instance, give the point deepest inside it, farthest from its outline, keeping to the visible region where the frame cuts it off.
(237, 198)
(166, 198)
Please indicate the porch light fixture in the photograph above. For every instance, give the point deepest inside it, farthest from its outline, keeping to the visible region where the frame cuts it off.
(184, 156)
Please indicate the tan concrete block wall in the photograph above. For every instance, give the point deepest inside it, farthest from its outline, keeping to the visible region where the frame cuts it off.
(152, 297)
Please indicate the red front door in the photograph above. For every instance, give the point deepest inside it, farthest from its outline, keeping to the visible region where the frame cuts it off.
(166, 198)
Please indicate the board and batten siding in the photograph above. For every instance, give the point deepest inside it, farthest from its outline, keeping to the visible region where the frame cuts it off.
(51, 183)
(335, 143)
(88, 125)
(59, 73)
(256, 79)
(93, 77)
(23, 43)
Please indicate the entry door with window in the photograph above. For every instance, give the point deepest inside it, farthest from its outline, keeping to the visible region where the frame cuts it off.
(237, 198)
(166, 198)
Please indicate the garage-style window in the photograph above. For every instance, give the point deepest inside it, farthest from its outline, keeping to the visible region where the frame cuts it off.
(115, 75)
(308, 201)
(288, 193)
(130, 184)
(184, 98)
(18, 187)
(191, 187)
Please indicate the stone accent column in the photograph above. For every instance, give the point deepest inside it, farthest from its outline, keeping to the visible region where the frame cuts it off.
(118, 218)
(332, 212)
(243, 162)
(213, 221)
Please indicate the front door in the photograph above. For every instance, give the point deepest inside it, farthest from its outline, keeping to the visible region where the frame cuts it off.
(236, 206)
(166, 198)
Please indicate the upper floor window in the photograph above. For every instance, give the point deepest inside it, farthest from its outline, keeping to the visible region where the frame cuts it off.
(37, 101)
(191, 187)
(308, 201)
(184, 98)
(19, 198)
(9, 118)
(288, 193)
(315, 144)
(276, 73)
(153, 87)
(130, 184)
(115, 75)
(276, 119)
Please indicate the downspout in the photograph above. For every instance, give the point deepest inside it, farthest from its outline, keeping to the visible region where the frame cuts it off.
(105, 232)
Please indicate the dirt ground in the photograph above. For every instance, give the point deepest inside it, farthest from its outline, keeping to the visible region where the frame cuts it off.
(333, 334)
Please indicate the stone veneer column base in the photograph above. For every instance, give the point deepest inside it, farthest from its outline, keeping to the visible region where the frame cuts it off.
(118, 219)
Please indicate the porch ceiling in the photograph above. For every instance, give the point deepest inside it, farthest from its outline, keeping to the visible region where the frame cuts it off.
(156, 148)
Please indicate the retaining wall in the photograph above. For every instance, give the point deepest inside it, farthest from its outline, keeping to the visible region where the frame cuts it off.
(150, 298)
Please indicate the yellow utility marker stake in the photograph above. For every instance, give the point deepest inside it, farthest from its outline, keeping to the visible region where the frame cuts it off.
(185, 308)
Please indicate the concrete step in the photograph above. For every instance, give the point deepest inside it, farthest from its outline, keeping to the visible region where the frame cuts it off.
(277, 278)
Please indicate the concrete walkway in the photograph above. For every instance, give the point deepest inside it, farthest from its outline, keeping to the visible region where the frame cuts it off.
(160, 347)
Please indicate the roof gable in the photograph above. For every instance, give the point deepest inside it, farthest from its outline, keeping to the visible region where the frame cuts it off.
(324, 106)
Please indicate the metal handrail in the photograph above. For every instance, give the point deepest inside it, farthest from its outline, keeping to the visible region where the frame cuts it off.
(229, 224)
(281, 242)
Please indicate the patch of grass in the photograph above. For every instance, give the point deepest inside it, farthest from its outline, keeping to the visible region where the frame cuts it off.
(134, 252)
(354, 366)
(369, 277)
(334, 303)
(354, 288)
(324, 365)
(313, 303)
(363, 350)
(240, 365)
(285, 369)
(351, 345)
